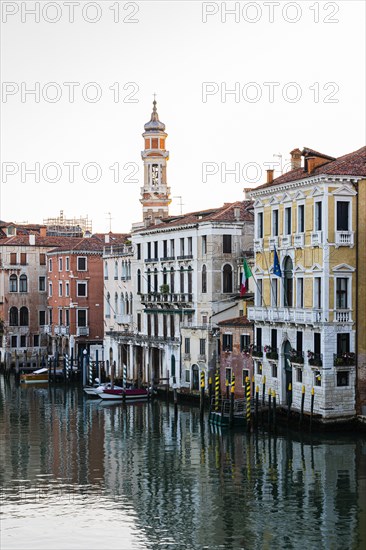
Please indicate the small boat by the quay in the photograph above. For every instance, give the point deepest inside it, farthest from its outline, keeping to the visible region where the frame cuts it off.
(39, 376)
(124, 394)
(95, 391)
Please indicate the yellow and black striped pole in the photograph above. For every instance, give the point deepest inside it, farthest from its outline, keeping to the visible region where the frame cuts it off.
(217, 390)
(202, 395)
(232, 397)
(247, 396)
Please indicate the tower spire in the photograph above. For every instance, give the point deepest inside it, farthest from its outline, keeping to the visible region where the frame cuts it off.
(155, 195)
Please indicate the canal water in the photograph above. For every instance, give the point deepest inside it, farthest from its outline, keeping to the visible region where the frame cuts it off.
(80, 474)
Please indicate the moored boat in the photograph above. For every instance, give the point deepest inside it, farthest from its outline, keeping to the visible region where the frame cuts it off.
(95, 391)
(124, 394)
(39, 376)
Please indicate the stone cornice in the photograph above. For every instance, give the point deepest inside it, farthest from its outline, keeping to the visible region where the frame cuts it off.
(306, 182)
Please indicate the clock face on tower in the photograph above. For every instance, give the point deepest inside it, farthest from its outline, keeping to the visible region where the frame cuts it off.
(155, 174)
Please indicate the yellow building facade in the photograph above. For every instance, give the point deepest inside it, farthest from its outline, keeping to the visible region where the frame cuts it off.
(306, 285)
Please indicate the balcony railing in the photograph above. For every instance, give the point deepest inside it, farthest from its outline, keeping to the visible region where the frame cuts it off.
(315, 359)
(186, 357)
(257, 351)
(45, 329)
(147, 260)
(271, 353)
(346, 359)
(185, 257)
(82, 331)
(167, 258)
(286, 241)
(343, 316)
(258, 245)
(344, 238)
(173, 298)
(286, 314)
(297, 357)
(299, 240)
(316, 238)
(123, 319)
(202, 357)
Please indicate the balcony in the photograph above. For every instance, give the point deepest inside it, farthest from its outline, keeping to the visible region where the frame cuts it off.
(273, 242)
(167, 258)
(123, 319)
(315, 359)
(286, 241)
(346, 359)
(45, 329)
(202, 358)
(299, 240)
(344, 238)
(257, 351)
(185, 257)
(258, 245)
(82, 331)
(170, 298)
(297, 357)
(271, 353)
(316, 238)
(186, 357)
(151, 260)
(343, 316)
(286, 315)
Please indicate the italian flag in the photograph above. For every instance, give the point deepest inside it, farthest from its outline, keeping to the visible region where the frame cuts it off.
(244, 287)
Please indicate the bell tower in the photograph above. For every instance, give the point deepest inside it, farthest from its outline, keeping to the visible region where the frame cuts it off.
(155, 195)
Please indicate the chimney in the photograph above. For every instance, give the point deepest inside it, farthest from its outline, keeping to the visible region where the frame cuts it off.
(295, 159)
(270, 175)
(246, 191)
(32, 239)
(237, 213)
(311, 164)
(43, 231)
(106, 238)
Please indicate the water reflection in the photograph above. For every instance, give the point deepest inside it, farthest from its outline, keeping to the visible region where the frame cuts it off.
(146, 476)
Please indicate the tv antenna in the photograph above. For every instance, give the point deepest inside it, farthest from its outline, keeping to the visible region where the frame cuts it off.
(110, 221)
(180, 203)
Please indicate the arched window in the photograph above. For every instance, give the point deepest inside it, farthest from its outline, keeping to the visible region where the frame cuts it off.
(13, 283)
(227, 278)
(115, 304)
(165, 277)
(204, 279)
(23, 283)
(108, 306)
(24, 317)
(288, 282)
(13, 317)
(195, 377)
(106, 270)
(138, 280)
(116, 270)
(129, 270)
(131, 303)
(127, 304)
(122, 302)
(156, 288)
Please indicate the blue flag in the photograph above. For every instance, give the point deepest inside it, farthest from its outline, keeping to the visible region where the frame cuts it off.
(276, 265)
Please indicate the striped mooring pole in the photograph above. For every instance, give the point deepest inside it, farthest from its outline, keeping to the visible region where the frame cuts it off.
(67, 367)
(90, 373)
(247, 395)
(232, 397)
(217, 390)
(202, 395)
(124, 375)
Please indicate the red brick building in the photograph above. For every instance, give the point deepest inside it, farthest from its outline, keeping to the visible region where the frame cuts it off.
(75, 286)
(236, 337)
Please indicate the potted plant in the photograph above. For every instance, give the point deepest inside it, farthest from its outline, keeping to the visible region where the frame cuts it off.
(271, 353)
(164, 289)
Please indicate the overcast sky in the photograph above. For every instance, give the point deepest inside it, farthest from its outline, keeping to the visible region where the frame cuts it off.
(297, 70)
